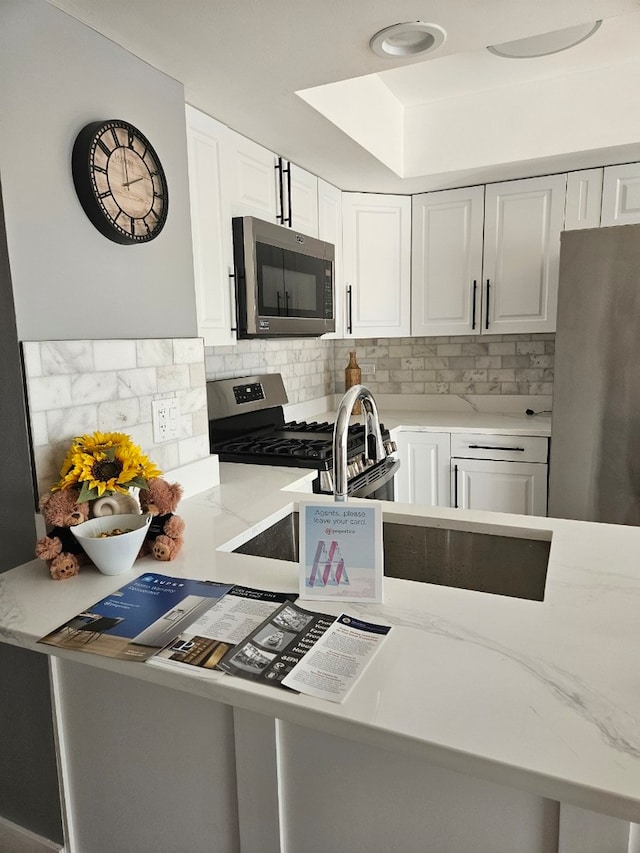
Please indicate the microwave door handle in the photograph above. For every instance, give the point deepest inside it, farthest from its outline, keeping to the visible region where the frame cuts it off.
(286, 303)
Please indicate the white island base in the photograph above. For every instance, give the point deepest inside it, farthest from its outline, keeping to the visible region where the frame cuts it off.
(150, 769)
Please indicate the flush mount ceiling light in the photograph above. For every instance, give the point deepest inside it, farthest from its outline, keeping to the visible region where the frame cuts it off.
(546, 43)
(411, 39)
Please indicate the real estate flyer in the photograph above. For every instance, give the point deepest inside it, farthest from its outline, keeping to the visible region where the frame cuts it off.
(138, 619)
(338, 659)
(219, 629)
(341, 551)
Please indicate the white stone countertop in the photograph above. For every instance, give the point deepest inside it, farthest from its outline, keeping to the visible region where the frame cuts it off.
(488, 415)
(539, 695)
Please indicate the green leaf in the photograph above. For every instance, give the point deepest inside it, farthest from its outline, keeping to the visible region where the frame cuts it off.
(87, 494)
(137, 482)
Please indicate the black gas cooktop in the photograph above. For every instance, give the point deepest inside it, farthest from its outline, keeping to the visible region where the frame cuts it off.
(295, 444)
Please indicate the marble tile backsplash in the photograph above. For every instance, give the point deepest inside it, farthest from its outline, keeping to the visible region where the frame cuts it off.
(306, 364)
(312, 368)
(78, 387)
(491, 364)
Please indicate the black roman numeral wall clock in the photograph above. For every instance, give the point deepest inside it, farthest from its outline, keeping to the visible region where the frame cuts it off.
(120, 181)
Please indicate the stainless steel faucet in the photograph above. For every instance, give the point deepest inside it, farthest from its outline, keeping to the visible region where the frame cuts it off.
(374, 446)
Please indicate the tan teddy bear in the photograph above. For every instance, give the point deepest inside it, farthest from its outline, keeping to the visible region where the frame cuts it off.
(60, 549)
(164, 539)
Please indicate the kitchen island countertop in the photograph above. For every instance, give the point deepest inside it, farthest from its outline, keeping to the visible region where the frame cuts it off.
(541, 696)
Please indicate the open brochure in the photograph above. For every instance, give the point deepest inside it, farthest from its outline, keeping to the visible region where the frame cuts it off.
(209, 628)
(138, 619)
(200, 648)
(311, 653)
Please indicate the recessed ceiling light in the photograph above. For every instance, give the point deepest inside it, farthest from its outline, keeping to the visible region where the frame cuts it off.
(546, 43)
(411, 39)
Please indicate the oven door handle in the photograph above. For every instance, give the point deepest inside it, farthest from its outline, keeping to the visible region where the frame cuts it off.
(390, 465)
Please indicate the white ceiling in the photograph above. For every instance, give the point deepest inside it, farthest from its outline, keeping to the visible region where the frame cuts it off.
(243, 61)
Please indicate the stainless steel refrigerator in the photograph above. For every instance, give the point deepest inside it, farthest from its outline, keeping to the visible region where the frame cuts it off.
(594, 470)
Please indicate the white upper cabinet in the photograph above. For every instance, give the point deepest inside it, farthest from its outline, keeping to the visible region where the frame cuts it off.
(584, 198)
(330, 230)
(252, 179)
(523, 221)
(485, 259)
(377, 264)
(210, 228)
(447, 262)
(621, 195)
(303, 201)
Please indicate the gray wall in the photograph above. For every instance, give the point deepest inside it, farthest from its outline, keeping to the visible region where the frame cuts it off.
(68, 282)
(56, 75)
(28, 781)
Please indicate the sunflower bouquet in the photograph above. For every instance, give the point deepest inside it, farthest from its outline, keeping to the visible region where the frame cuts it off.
(104, 463)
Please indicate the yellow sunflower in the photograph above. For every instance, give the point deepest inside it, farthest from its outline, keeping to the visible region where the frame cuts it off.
(104, 463)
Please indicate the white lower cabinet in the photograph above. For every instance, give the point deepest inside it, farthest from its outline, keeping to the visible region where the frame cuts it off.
(499, 473)
(519, 487)
(423, 476)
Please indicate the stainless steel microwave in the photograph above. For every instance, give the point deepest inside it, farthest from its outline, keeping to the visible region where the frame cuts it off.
(284, 281)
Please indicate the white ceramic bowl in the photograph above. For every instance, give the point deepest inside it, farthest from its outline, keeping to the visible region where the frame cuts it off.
(113, 555)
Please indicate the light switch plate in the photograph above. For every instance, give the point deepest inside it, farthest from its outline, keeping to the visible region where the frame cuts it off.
(166, 419)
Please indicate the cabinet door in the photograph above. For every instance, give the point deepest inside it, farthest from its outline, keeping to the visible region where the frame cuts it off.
(424, 473)
(519, 487)
(330, 230)
(377, 264)
(446, 276)
(584, 199)
(210, 228)
(523, 221)
(621, 195)
(253, 178)
(304, 201)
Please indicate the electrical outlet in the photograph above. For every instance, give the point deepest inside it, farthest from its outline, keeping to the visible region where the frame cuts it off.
(368, 368)
(166, 417)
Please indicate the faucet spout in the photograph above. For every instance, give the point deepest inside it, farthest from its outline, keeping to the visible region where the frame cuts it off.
(373, 436)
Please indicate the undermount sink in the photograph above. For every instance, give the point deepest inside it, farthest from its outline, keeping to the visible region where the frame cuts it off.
(503, 565)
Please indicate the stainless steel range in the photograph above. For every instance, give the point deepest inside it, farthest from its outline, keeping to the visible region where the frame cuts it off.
(247, 424)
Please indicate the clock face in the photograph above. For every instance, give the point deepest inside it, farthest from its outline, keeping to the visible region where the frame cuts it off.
(120, 181)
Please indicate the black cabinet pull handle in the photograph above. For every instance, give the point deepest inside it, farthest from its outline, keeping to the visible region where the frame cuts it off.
(493, 447)
(486, 319)
(473, 315)
(349, 311)
(279, 168)
(287, 169)
(286, 303)
(455, 487)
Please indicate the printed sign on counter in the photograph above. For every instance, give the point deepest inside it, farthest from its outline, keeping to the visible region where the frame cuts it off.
(341, 551)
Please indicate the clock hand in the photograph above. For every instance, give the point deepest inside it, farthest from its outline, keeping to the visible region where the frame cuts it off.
(126, 171)
(133, 181)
